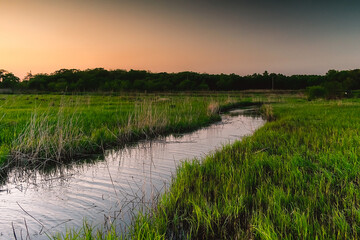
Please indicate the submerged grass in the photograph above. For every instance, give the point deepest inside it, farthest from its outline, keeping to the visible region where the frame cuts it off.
(295, 178)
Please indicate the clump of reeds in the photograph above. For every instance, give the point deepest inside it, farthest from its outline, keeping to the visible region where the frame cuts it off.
(267, 111)
(49, 135)
(230, 100)
(213, 108)
(67, 130)
(147, 117)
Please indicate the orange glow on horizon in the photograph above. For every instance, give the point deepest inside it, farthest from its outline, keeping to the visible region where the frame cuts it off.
(45, 36)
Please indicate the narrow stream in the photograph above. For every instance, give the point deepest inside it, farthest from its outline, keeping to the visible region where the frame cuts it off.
(113, 187)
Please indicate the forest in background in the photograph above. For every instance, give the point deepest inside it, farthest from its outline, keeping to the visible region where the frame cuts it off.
(100, 79)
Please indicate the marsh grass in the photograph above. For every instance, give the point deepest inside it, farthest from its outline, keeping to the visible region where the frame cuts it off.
(213, 108)
(295, 178)
(49, 136)
(267, 111)
(38, 129)
(42, 129)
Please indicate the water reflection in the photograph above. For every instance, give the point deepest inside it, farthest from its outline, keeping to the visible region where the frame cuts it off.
(110, 188)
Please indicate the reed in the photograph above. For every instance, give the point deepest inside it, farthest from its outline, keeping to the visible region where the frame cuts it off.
(267, 111)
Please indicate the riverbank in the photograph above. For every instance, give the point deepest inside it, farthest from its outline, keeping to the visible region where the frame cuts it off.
(117, 185)
(55, 128)
(295, 178)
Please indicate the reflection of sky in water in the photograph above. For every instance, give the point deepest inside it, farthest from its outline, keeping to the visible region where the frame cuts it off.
(107, 189)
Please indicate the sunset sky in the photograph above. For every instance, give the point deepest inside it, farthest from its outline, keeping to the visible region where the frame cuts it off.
(242, 37)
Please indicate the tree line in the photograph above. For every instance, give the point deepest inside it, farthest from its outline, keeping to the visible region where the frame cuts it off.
(99, 79)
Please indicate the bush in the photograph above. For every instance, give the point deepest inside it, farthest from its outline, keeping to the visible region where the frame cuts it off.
(316, 92)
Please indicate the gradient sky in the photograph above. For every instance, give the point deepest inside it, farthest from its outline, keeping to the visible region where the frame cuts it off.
(242, 37)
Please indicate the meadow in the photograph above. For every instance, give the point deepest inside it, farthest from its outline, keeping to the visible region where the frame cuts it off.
(295, 178)
(40, 129)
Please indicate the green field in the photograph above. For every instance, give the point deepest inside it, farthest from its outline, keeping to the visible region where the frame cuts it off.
(295, 178)
(44, 128)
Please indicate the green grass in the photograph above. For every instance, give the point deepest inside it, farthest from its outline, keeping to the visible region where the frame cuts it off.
(37, 128)
(295, 178)
(89, 233)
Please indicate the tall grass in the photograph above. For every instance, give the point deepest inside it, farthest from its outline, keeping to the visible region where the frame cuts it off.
(49, 135)
(296, 178)
(38, 129)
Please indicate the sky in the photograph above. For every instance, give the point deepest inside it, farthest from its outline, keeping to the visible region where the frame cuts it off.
(241, 37)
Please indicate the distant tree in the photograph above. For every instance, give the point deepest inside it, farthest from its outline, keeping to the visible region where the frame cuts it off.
(80, 85)
(8, 80)
(334, 89)
(331, 75)
(349, 83)
(224, 83)
(140, 85)
(203, 86)
(185, 85)
(39, 82)
(314, 92)
(2, 72)
(61, 86)
(28, 76)
(115, 80)
(125, 85)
